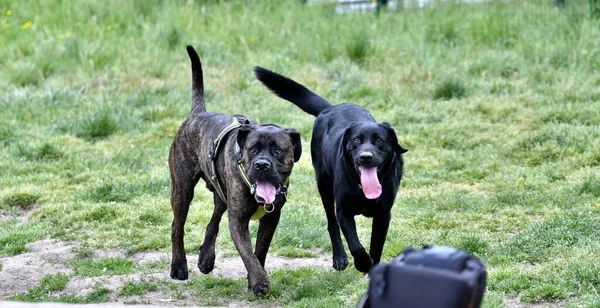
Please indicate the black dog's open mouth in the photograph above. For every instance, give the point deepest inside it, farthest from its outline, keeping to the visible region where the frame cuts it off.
(359, 169)
(369, 181)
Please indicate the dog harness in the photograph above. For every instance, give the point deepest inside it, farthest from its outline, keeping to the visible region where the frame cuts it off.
(282, 189)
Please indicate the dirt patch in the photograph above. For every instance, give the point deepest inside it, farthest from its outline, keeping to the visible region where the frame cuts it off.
(50, 257)
(233, 267)
(82, 286)
(515, 303)
(21, 272)
(21, 216)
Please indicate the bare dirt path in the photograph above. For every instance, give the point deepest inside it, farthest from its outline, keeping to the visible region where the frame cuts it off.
(50, 257)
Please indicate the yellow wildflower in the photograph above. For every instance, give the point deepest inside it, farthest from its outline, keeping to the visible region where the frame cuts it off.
(109, 27)
(26, 25)
(64, 36)
(8, 12)
(5, 26)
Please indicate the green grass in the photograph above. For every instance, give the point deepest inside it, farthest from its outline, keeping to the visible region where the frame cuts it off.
(50, 283)
(450, 88)
(99, 267)
(38, 294)
(137, 288)
(45, 292)
(305, 287)
(499, 105)
(96, 126)
(20, 200)
(14, 236)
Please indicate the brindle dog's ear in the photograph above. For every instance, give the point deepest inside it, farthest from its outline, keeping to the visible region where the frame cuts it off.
(393, 139)
(296, 142)
(242, 134)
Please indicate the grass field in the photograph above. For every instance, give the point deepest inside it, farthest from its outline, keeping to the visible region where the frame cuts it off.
(498, 104)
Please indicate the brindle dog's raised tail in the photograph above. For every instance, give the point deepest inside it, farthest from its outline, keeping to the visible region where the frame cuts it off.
(198, 103)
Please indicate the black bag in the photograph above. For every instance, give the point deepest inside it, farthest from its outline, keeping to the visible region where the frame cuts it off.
(435, 277)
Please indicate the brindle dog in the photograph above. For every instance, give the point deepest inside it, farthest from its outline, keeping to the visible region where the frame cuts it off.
(267, 152)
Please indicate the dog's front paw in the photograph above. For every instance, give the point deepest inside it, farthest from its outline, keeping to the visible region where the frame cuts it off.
(206, 260)
(259, 283)
(362, 261)
(340, 261)
(261, 288)
(179, 270)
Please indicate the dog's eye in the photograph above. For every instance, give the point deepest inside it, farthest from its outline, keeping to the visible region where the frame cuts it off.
(252, 151)
(278, 151)
(378, 140)
(356, 140)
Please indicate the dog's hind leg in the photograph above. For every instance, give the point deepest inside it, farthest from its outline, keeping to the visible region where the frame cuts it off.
(206, 258)
(182, 193)
(340, 259)
(183, 180)
(266, 230)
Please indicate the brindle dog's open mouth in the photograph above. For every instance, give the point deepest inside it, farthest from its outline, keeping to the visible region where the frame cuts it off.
(369, 182)
(265, 192)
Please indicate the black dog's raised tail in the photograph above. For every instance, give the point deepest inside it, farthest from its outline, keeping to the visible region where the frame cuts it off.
(198, 104)
(292, 91)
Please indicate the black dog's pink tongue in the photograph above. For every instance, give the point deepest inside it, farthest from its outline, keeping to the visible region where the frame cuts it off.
(370, 183)
(266, 191)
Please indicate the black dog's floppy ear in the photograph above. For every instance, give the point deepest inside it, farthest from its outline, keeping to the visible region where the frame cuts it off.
(296, 142)
(346, 145)
(393, 139)
(242, 134)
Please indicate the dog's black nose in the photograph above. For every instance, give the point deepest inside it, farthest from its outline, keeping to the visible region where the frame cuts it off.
(262, 165)
(366, 157)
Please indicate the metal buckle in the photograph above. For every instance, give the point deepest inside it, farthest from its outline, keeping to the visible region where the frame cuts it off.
(269, 211)
(282, 190)
(241, 119)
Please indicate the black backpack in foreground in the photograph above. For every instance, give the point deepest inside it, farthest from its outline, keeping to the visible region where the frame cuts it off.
(435, 277)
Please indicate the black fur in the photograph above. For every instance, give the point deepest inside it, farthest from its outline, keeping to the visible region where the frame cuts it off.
(292, 91)
(341, 135)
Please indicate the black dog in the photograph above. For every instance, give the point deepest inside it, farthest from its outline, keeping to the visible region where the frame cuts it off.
(219, 150)
(358, 164)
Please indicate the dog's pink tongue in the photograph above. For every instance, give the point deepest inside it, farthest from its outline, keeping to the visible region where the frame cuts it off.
(266, 191)
(370, 183)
